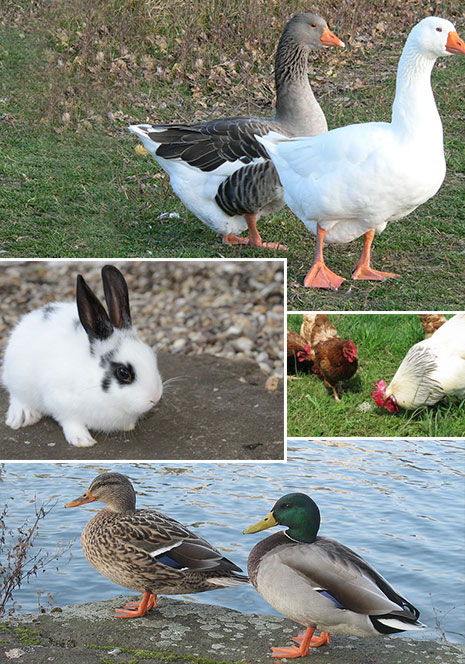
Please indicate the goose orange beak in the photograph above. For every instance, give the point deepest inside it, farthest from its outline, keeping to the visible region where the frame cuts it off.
(328, 38)
(454, 44)
(82, 500)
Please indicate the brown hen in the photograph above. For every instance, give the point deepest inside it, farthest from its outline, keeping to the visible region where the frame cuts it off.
(431, 322)
(334, 359)
(298, 353)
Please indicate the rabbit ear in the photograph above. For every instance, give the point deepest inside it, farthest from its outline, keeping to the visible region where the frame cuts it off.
(116, 296)
(94, 319)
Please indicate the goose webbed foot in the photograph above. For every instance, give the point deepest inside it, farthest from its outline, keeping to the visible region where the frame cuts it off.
(320, 276)
(363, 271)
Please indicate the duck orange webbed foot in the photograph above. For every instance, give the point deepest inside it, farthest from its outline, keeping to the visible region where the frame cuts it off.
(320, 276)
(306, 641)
(316, 641)
(138, 609)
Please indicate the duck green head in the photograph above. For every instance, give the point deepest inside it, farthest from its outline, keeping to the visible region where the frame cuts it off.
(295, 510)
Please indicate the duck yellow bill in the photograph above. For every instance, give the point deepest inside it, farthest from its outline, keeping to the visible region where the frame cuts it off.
(82, 500)
(328, 38)
(454, 44)
(268, 522)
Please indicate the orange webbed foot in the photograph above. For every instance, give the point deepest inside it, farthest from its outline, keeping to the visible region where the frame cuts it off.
(293, 651)
(275, 246)
(366, 273)
(138, 609)
(320, 276)
(315, 641)
(306, 640)
(234, 239)
(255, 242)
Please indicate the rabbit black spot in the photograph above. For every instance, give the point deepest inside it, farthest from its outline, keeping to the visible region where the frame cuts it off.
(87, 372)
(48, 310)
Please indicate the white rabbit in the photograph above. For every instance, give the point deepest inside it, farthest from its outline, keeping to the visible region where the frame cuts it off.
(72, 361)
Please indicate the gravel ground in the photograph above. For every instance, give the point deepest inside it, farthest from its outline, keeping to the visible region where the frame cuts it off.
(231, 309)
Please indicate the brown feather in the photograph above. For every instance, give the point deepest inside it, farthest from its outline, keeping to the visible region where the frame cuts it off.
(431, 322)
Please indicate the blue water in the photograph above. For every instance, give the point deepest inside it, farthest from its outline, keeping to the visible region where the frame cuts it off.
(400, 504)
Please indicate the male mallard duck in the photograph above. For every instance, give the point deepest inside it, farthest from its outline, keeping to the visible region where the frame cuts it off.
(353, 180)
(218, 169)
(145, 550)
(321, 583)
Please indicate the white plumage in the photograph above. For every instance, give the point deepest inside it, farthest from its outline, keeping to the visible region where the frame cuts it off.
(432, 369)
(353, 180)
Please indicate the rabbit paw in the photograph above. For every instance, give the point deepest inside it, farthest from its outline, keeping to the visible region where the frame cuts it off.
(78, 435)
(19, 415)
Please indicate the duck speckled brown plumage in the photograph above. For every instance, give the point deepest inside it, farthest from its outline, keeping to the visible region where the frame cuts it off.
(146, 551)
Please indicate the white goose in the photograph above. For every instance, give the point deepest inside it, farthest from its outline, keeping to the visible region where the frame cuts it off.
(218, 169)
(351, 181)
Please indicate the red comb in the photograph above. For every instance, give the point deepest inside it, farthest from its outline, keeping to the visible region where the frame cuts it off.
(350, 352)
(303, 354)
(379, 392)
(380, 399)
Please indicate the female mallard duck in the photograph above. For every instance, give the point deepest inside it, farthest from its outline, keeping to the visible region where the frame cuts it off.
(321, 583)
(147, 551)
(218, 169)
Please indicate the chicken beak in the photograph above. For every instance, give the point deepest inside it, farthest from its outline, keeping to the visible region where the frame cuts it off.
(454, 44)
(268, 522)
(328, 38)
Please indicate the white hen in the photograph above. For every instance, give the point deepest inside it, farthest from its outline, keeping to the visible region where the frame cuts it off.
(353, 180)
(431, 369)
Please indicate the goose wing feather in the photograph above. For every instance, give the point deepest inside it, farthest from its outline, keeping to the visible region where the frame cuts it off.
(208, 145)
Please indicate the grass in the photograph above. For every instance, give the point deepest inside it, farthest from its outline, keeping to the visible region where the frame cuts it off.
(74, 75)
(382, 341)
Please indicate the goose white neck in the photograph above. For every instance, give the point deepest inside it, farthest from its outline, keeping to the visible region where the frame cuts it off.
(414, 110)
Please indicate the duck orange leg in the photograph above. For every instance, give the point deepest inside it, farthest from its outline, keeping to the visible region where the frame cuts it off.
(316, 641)
(320, 276)
(363, 270)
(138, 609)
(306, 642)
(254, 239)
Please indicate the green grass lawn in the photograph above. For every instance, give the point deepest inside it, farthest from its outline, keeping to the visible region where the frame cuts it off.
(382, 340)
(78, 188)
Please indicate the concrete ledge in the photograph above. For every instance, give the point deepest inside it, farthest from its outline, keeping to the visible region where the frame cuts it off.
(191, 633)
(216, 409)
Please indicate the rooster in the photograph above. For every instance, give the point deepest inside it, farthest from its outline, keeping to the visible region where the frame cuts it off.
(432, 369)
(297, 349)
(431, 322)
(334, 359)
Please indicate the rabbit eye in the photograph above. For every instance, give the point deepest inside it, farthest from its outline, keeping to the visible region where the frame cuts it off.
(124, 374)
